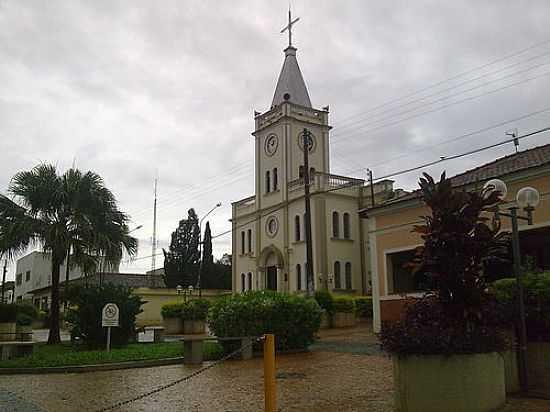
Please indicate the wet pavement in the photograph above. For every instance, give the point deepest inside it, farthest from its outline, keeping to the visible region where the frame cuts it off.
(345, 371)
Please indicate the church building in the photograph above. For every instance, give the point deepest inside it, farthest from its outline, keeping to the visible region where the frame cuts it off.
(268, 241)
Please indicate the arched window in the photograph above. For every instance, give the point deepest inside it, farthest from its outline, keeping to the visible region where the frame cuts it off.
(275, 179)
(301, 172)
(249, 280)
(348, 276)
(243, 283)
(249, 241)
(337, 276)
(297, 228)
(335, 225)
(298, 277)
(267, 182)
(347, 231)
(242, 243)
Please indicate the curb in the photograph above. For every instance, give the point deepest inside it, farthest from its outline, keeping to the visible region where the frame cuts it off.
(92, 368)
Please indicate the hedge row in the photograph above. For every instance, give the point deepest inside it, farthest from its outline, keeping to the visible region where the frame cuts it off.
(192, 310)
(361, 305)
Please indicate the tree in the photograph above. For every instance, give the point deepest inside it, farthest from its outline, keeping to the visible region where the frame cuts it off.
(59, 213)
(181, 263)
(207, 257)
(459, 245)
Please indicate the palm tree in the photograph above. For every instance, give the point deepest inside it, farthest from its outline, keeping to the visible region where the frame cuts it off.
(73, 212)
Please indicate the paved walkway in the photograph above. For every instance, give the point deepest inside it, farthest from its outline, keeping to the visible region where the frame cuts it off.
(345, 371)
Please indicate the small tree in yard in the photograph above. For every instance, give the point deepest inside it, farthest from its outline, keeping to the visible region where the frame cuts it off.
(459, 244)
(73, 211)
(181, 262)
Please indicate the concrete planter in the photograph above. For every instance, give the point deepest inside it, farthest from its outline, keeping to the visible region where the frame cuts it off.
(325, 320)
(191, 327)
(24, 333)
(538, 368)
(458, 383)
(343, 320)
(172, 326)
(7, 331)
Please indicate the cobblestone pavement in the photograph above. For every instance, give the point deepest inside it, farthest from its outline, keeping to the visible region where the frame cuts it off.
(344, 372)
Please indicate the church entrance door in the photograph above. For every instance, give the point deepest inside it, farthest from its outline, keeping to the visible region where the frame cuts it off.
(272, 277)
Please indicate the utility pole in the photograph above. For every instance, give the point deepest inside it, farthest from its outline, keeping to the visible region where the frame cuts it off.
(4, 279)
(307, 218)
(371, 184)
(154, 242)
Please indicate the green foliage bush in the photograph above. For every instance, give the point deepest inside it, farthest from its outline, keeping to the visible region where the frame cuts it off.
(86, 305)
(23, 319)
(8, 313)
(344, 304)
(196, 309)
(426, 329)
(27, 310)
(537, 303)
(292, 319)
(325, 300)
(363, 306)
(172, 310)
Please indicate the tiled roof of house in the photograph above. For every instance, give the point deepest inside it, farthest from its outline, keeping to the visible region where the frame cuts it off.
(517, 162)
(501, 167)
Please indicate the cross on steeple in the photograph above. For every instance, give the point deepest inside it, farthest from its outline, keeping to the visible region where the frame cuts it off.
(289, 27)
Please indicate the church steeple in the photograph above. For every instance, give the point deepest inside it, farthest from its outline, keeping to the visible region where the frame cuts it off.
(291, 86)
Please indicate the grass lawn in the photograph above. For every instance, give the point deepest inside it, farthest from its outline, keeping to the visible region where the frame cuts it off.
(66, 355)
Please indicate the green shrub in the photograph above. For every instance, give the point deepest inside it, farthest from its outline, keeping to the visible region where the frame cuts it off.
(292, 319)
(363, 306)
(23, 319)
(325, 300)
(537, 303)
(196, 309)
(426, 329)
(8, 313)
(28, 310)
(87, 304)
(172, 310)
(344, 304)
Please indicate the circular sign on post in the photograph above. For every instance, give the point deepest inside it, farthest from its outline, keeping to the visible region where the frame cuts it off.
(110, 315)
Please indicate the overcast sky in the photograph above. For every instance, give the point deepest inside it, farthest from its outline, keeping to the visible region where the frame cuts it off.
(129, 89)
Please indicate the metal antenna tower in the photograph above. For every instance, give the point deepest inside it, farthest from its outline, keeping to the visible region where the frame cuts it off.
(154, 242)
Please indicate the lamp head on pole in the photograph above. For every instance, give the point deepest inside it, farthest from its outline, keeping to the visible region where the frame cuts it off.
(495, 185)
(528, 198)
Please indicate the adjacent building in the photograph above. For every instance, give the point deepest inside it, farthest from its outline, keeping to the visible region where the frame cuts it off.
(392, 242)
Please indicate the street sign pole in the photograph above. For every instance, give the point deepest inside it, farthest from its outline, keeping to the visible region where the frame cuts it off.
(108, 338)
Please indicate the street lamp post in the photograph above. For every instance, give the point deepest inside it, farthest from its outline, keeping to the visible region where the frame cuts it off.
(527, 199)
(200, 245)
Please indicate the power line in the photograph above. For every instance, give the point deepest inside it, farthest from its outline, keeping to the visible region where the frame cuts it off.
(359, 130)
(457, 138)
(454, 87)
(497, 60)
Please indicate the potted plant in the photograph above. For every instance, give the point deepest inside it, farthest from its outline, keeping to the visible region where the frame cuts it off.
(194, 315)
(446, 346)
(171, 318)
(8, 314)
(326, 302)
(344, 312)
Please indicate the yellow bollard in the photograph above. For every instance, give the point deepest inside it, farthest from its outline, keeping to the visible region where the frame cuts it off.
(269, 374)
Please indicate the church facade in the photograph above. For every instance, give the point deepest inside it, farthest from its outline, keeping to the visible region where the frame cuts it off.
(268, 236)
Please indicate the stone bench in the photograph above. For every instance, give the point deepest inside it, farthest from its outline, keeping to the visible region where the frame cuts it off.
(13, 349)
(193, 347)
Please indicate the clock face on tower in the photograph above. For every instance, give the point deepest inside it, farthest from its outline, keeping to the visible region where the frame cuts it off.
(271, 144)
(312, 142)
